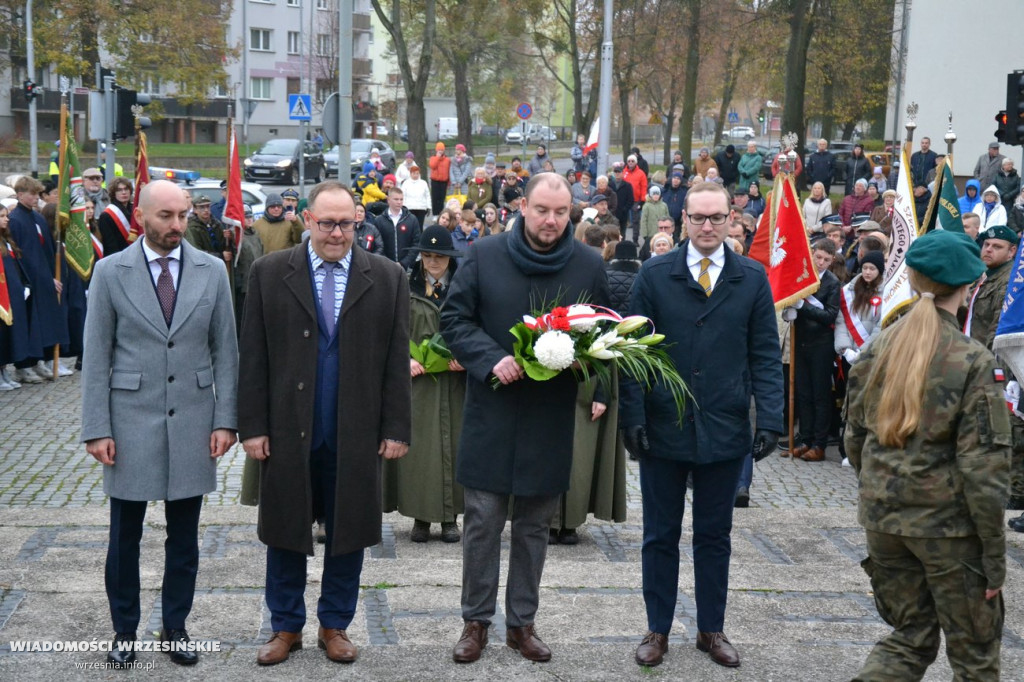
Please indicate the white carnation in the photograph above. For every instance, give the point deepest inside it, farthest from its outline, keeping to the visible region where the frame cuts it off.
(554, 350)
(581, 325)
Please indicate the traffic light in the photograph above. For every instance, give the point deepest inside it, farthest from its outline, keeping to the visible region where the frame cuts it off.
(1001, 126)
(124, 120)
(1015, 108)
(760, 116)
(31, 90)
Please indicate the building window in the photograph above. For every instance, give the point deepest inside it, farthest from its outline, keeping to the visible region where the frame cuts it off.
(259, 88)
(259, 39)
(294, 42)
(153, 85)
(293, 3)
(322, 4)
(293, 86)
(222, 90)
(324, 45)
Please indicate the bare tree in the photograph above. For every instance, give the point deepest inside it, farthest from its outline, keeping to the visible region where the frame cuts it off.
(415, 82)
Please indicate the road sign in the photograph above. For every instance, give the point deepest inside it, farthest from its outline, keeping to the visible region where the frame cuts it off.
(654, 120)
(299, 108)
(734, 117)
(524, 110)
(330, 119)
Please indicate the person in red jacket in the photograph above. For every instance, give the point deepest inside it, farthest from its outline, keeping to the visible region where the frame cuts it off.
(635, 177)
(440, 169)
(858, 202)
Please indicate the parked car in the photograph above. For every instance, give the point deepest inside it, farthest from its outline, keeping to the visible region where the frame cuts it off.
(404, 134)
(361, 149)
(540, 135)
(382, 130)
(197, 185)
(278, 159)
(514, 136)
(883, 159)
(742, 133)
(490, 130)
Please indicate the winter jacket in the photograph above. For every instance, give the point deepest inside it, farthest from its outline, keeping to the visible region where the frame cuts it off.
(990, 216)
(1008, 185)
(652, 212)
(458, 175)
(440, 167)
(967, 202)
(814, 211)
(536, 164)
(416, 195)
(853, 204)
(920, 164)
(675, 199)
(856, 168)
(821, 167)
(398, 239)
(621, 274)
(728, 167)
(750, 169)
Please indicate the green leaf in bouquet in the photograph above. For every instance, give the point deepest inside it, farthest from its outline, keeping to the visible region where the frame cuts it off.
(436, 344)
(537, 371)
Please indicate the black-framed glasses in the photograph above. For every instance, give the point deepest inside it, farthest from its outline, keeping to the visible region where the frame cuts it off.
(716, 219)
(328, 226)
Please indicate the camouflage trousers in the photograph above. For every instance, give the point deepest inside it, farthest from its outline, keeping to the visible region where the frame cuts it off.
(1017, 463)
(920, 586)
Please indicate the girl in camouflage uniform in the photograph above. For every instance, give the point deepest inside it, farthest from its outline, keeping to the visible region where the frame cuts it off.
(928, 433)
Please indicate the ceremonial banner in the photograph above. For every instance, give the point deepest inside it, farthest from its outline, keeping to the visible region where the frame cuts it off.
(896, 292)
(761, 245)
(234, 208)
(944, 208)
(71, 203)
(141, 180)
(1009, 341)
(791, 271)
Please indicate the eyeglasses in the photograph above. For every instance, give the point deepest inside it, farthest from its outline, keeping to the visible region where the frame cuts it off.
(328, 226)
(717, 219)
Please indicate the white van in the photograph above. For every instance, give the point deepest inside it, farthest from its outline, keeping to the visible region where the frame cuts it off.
(447, 128)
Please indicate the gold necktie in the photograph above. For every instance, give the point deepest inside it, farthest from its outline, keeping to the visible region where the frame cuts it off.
(704, 279)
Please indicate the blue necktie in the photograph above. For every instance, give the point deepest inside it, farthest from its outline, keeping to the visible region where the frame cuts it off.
(327, 297)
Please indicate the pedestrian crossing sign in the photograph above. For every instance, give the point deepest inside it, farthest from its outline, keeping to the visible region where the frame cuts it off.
(299, 108)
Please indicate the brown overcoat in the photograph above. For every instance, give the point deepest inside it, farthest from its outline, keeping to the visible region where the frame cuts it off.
(278, 362)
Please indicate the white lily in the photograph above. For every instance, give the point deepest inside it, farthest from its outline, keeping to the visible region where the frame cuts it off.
(607, 339)
(631, 324)
(604, 354)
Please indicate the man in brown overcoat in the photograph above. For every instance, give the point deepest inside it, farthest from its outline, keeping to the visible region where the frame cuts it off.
(325, 385)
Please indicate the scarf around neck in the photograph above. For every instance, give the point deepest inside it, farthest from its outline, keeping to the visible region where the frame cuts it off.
(532, 262)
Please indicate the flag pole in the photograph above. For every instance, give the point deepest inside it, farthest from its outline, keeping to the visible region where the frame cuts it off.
(787, 168)
(63, 178)
(227, 166)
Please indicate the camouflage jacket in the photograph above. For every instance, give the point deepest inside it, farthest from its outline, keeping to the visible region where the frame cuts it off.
(952, 478)
(988, 304)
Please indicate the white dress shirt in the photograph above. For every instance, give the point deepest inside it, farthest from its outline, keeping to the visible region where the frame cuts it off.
(693, 258)
(174, 266)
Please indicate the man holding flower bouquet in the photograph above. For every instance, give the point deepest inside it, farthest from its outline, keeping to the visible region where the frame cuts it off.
(715, 308)
(517, 437)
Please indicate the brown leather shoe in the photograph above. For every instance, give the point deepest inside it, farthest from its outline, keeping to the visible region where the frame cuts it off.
(718, 646)
(278, 647)
(471, 643)
(800, 450)
(527, 643)
(339, 647)
(652, 649)
(814, 455)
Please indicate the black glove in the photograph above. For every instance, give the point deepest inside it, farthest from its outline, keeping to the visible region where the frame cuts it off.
(635, 438)
(764, 441)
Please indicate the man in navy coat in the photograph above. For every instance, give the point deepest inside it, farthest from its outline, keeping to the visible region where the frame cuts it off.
(716, 311)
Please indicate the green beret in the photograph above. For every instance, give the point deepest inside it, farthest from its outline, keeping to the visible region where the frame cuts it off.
(1001, 232)
(949, 258)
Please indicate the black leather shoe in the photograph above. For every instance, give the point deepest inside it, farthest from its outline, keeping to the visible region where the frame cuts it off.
(181, 656)
(450, 532)
(568, 536)
(742, 498)
(123, 651)
(1017, 524)
(552, 536)
(420, 531)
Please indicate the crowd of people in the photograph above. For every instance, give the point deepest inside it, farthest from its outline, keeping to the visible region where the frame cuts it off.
(453, 446)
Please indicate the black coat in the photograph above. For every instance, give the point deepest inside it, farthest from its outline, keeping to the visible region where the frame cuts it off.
(397, 243)
(621, 274)
(517, 439)
(725, 346)
(820, 167)
(815, 326)
(728, 166)
(48, 319)
(857, 168)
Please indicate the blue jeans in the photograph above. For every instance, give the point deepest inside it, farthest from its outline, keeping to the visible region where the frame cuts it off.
(747, 472)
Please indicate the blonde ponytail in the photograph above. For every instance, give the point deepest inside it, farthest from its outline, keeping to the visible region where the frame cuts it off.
(903, 364)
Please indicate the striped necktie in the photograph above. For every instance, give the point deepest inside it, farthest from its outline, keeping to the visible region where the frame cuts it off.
(704, 279)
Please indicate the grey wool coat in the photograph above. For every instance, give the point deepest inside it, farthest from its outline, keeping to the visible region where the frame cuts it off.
(277, 389)
(159, 392)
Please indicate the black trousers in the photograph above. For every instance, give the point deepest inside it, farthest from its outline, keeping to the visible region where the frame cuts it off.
(181, 561)
(438, 191)
(814, 392)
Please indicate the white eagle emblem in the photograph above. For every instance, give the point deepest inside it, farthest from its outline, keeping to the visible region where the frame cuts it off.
(778, 253)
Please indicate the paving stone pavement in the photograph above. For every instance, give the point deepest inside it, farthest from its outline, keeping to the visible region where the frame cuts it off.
(800, 608)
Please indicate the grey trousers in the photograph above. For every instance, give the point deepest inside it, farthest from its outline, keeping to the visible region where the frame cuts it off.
(482, 524)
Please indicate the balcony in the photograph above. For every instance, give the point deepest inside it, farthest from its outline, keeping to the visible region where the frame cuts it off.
(362, 69)
(361, 22)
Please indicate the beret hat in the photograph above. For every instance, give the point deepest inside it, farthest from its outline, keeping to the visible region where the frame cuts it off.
(949, 258)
